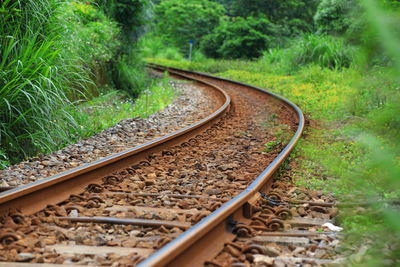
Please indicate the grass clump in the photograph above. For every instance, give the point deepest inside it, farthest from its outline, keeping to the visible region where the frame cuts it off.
(322, 50)
(34, 80)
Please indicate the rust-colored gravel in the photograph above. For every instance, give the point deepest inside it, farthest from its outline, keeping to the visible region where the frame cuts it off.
(301, 240)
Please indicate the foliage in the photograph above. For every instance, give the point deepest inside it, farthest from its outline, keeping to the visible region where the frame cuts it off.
(130, 14)
(239, 38)
(247, 28)
(92, 35)
(292, 12)
(92, 39)
(178, 21)
(335, 16)
(34, 80)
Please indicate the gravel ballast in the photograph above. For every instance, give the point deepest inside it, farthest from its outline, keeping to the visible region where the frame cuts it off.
(191, 104)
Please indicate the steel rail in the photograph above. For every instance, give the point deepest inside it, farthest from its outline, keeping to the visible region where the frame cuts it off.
(33, 197)
(182, 249)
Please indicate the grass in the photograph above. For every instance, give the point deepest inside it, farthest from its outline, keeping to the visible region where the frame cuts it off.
(34, 81)
(110, 108)
(323, 50)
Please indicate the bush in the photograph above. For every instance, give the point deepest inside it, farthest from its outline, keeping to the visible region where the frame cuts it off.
(279, 12)
(90, 38)
(239, 38)
(131, 16)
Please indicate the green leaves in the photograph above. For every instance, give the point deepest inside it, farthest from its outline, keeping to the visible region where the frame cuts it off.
(178, 21)
(239, 38)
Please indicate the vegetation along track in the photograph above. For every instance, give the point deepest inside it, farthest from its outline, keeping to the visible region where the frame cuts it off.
(200, 187)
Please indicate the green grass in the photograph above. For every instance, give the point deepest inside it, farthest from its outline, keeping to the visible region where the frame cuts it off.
(322, 50)
(110, 108)
(34, 81)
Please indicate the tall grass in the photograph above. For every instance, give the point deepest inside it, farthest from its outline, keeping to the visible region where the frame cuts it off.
(34, 80)
(323, 50)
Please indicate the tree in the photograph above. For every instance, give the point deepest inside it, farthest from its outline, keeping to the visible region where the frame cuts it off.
(130, 14)
(277, 12)
(335, 16)
(239, 38)
(178, 21)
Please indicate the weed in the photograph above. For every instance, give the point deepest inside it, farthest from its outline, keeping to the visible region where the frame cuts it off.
(3, 160)
(271, 145)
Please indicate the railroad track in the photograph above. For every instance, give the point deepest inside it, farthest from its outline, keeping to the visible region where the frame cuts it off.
(190, 198)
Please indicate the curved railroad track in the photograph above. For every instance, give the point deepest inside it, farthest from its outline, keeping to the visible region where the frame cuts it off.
(175, 201)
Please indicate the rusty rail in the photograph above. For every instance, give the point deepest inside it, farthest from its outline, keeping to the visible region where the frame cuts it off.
(191, 247)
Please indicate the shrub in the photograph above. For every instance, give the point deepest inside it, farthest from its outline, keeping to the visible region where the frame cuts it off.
(131, 15)
(279, 12)
(90, 39)
(239, 38)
